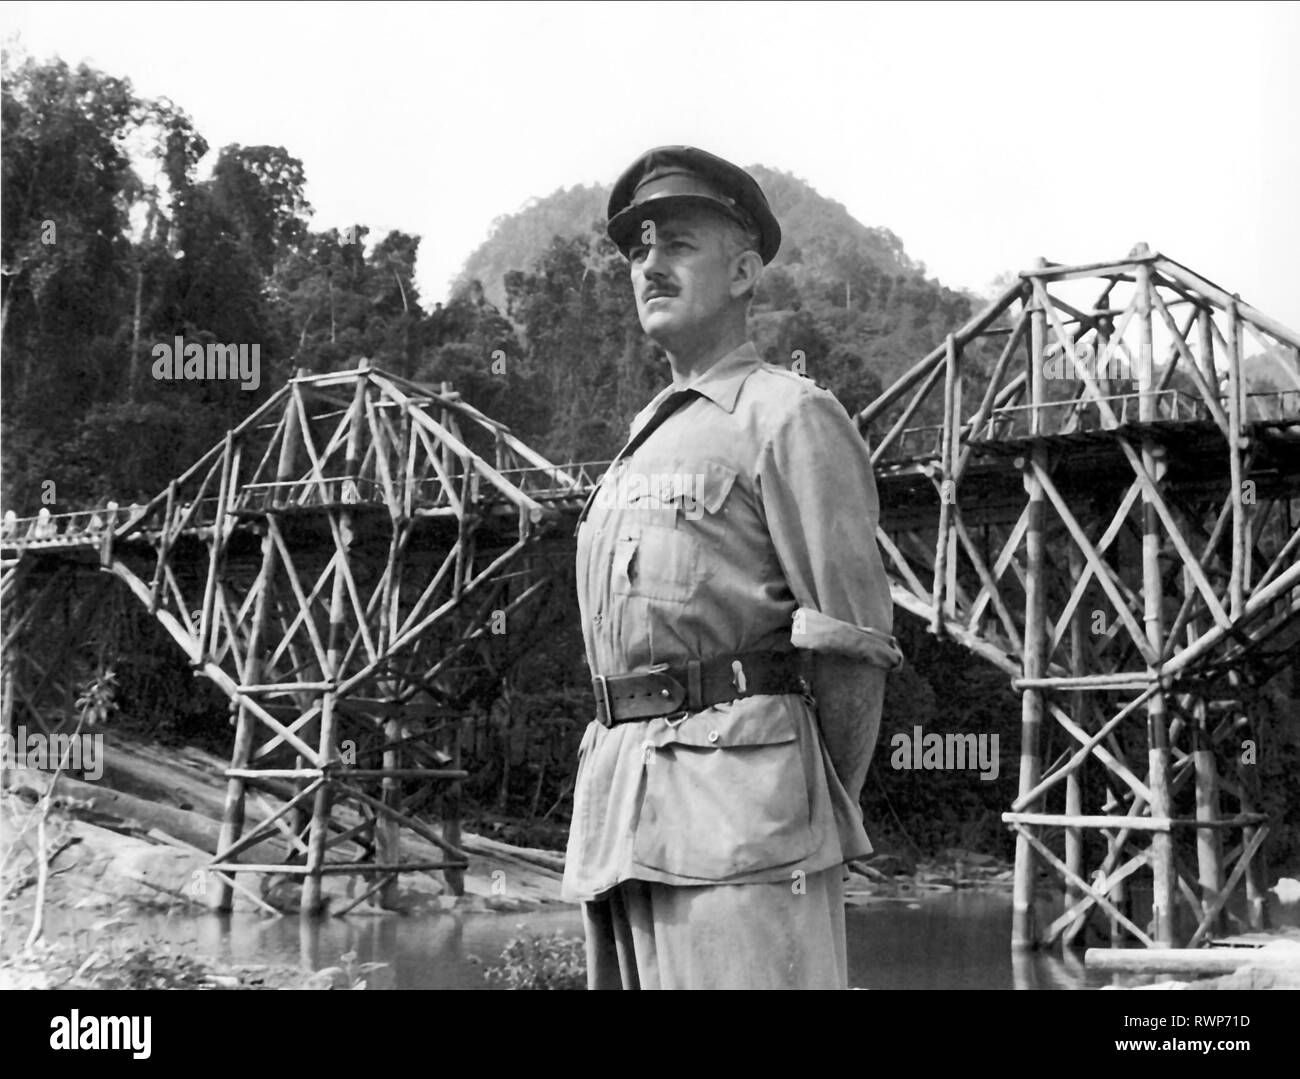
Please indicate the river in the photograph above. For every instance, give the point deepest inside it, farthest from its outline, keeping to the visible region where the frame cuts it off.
(957, 940)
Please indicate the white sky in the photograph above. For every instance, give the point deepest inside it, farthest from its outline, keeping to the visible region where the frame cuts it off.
(985, 135)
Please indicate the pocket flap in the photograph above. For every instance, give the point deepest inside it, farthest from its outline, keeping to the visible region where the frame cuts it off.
(718, 481)
(679, 485)
(738, 723)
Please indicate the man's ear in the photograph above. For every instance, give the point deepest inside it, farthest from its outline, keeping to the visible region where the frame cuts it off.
(746, 270)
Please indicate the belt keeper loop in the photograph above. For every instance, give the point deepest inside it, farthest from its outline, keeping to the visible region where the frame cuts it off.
(604, 698)
(738, 677)
(694, 686)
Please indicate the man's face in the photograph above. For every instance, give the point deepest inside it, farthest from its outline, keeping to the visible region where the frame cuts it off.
(683, 278)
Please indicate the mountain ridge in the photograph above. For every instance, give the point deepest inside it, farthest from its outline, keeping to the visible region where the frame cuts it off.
(821, 240)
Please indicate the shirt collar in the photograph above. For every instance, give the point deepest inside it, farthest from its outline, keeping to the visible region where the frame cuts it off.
(722, 381)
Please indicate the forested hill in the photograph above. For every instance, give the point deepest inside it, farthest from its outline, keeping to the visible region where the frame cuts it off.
(822, 240)
(519, 239)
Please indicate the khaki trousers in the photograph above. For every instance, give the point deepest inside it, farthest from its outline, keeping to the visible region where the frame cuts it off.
(784, 935)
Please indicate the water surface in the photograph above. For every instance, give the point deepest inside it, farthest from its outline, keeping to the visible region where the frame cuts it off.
(957, 940)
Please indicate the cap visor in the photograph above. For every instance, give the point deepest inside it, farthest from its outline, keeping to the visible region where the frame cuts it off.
(625, 228)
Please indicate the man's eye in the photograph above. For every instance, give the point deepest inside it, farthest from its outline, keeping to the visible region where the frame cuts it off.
(638, 253)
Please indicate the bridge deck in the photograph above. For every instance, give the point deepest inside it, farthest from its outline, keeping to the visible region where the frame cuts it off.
(1181, 421)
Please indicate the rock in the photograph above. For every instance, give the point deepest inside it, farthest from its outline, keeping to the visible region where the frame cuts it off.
(93, 902)
(870, 872)
(151, 874)
(155, 798)
(1255, 978)
(13, 978)
(283, 893)
(968, 857)
(1287, 890)
(328, 978)
(405, 902)
(503, 902)
(891, 864)
(269, 976)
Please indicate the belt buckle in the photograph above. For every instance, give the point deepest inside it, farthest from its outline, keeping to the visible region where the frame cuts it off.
(605, 697)
(673, 719)
(660, 668)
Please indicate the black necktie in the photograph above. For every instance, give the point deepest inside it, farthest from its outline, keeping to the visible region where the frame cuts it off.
(667, 407)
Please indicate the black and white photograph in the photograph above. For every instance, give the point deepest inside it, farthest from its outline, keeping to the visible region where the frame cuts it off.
(579, 496)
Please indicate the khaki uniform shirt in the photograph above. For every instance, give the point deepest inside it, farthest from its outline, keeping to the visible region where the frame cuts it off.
(746, 522)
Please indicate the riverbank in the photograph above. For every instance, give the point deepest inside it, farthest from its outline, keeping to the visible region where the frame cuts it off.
(125, 902)
(143, 832)
(130, 848)
(133, 845)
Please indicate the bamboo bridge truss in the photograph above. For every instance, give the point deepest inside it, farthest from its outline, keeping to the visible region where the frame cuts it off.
(1077, 485)
(1103, 512)
(350, 566)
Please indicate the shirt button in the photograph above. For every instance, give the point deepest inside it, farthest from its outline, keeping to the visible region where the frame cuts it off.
(598, 619)
(713, 736)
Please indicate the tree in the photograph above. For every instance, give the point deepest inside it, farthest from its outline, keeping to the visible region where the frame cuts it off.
(259, 190)
(67, 186)
(68, 190)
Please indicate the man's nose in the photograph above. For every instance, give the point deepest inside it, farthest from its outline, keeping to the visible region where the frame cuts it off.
(652, 264)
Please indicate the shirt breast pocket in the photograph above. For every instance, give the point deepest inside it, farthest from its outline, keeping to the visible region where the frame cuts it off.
(666, 554)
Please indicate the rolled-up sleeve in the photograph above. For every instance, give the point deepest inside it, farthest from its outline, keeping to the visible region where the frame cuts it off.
(819, 497)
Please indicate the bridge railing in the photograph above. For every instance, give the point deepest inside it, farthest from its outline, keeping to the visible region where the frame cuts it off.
(89, 527)
(541, 483)
(1067, 417)
(1271, 406)
(571, 480)
(325, 491)
(917, 443)
(62, 529)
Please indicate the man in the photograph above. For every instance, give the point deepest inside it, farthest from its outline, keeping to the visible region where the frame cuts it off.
(732, 539)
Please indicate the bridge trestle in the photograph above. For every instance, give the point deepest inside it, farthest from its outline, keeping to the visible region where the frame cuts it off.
(1102, 507)
(354, 566)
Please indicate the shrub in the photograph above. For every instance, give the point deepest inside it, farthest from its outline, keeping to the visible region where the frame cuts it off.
(114, 963)
(541, 962)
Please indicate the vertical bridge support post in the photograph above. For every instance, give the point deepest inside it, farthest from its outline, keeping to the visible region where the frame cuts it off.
(1024, 932)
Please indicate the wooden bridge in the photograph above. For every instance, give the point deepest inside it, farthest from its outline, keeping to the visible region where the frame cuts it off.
(1077, 485)
(344, 566)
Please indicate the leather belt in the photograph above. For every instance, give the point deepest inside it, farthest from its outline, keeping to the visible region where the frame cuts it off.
(664, 690)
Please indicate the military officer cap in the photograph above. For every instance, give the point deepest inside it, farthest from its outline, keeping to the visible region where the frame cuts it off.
(670, 175)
